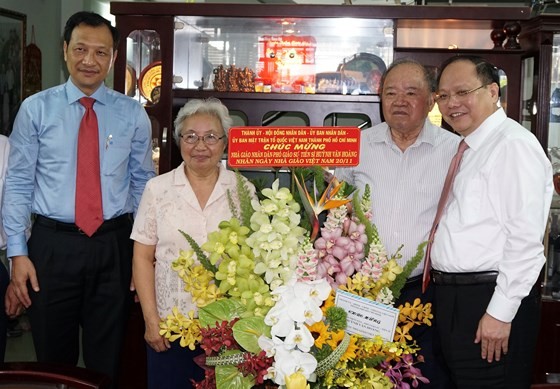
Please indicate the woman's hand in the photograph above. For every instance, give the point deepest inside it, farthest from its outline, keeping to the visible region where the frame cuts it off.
(153, 338)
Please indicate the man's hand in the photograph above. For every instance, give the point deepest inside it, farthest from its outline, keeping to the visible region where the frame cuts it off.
(133, 289)
(23, 271)
(14, 307)
(493, 336)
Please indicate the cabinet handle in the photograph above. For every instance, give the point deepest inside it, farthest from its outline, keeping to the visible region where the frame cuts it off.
(164, 136)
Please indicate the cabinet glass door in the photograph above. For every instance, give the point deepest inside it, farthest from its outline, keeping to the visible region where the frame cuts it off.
(143, 69)
(554, 128)
(143, 77)
(283, 55)
(552, 270)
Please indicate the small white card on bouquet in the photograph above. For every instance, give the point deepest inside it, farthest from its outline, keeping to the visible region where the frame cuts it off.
(366, 317)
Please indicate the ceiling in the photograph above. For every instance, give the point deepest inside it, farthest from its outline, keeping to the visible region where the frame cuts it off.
(368, 2)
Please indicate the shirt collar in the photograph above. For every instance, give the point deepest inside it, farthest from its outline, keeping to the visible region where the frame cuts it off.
(180, 178)
(479, 137)
(382, 133)
(74, 93)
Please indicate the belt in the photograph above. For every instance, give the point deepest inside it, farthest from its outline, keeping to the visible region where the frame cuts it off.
(108, 225)
(413, 281)
(484, 277)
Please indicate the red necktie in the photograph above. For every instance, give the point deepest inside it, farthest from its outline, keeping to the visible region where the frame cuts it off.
(89, 211)
(451, 173)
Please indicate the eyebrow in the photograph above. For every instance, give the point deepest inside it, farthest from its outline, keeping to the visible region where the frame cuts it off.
(193, 130)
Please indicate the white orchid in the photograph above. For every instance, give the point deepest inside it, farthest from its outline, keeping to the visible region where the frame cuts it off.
(297, 302)
(301, 338)
(288, 362)
(270, 345)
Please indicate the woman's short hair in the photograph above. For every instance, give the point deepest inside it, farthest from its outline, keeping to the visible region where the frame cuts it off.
(210, 106)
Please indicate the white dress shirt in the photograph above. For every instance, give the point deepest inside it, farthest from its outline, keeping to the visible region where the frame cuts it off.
(497, 212)
(405, 186)
(4, 152)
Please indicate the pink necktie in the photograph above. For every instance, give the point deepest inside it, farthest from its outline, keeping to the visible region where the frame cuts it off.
(89, 210)
(451, 173)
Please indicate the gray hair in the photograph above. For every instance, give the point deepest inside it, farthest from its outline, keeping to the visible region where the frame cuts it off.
(210, 106)
(429, 76)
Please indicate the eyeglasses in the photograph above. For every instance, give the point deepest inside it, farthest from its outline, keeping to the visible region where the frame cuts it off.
(209, 139)
(460, 95)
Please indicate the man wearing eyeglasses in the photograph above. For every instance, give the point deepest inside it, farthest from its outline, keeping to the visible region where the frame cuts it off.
(404, 160)
(80, 157)
(488, 252)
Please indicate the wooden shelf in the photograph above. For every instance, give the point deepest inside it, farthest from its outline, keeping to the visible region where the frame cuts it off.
(413, 12)
(316, 97)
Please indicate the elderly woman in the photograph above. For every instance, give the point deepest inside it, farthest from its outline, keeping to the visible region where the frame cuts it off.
(191, 198)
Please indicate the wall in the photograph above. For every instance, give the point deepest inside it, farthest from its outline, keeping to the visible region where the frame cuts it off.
(49, 17)
(45, 16)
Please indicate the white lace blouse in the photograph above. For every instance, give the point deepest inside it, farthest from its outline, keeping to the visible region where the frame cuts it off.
(168, 205)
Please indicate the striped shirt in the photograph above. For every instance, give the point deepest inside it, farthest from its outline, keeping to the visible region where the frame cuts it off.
(405, 186)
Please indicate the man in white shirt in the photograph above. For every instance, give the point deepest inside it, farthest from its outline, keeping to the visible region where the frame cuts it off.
(488, 252)
(9, 304)
(404, 160)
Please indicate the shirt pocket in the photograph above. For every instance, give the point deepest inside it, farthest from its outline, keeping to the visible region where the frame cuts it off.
(115, 160)
(469, 193)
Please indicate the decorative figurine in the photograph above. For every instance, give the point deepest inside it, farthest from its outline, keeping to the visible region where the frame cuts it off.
(233, 79)
(220, 78)
(247, 80)
(498, 36)
(512, 30)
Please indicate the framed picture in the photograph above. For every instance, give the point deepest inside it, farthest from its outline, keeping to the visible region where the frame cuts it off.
(12, 45)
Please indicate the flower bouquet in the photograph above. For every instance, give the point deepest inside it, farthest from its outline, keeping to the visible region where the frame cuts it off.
(265, 286)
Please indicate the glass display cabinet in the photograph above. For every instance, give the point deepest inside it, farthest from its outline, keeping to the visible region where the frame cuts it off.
(540, 37)
(287, 64)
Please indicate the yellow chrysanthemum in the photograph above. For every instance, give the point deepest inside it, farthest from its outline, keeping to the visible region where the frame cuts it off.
(329, 302)
(350, 353)
(335, 338)
(320, 333)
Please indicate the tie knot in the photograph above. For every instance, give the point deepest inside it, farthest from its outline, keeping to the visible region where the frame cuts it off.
(462, 147)
(87, 102)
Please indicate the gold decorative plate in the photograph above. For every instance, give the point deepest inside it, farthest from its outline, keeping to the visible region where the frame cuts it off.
(150, 78)
(130, 80)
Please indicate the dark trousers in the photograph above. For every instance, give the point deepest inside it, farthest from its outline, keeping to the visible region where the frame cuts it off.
(459, 309)
(84, 282)
(433, 367)
(174, 368)
(4, 280)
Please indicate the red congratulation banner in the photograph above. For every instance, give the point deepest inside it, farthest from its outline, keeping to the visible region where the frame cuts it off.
(293, 146)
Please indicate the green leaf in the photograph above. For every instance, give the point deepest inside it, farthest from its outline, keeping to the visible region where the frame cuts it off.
(229, 377)
(247, 331)
(371, 229)
(400, 280)
(218, 311)
(245, 198)
(202, 258)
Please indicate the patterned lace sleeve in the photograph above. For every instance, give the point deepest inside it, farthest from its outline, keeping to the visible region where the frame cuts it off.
(145, 224)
